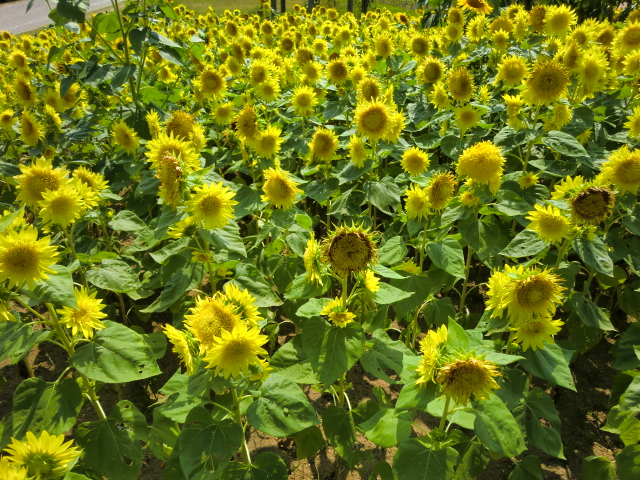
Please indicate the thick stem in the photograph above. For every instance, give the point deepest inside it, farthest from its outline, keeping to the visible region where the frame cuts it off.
(341, 387)
(562, 252)
(467, 267)
(123, 311)
(445, 413)
(343, 297)
(246, 458)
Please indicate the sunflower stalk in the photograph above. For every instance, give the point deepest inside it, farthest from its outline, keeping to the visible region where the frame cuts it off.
(562, 251)
(69, 237)
(465, 284)
(246, 457)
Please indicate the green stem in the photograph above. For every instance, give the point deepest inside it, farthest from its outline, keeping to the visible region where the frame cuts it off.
(445, 413)
(562, 252)
(467, 267)
(343, 297)
(69, 236)
(341, 388)
(44, 320)
(245, 448)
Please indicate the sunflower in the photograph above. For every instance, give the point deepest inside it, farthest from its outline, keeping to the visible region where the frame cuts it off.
(243, 302)
(181, 347)
(269, 91)
(567, 187)
(622, 169)
(547, 83)
(25, 93)
(592, 204)
(530, 292)
(628, 38)
(454, 31)
(528, 180)
(312, 72)
(7, 119)
(349, 250)
(460, 85)
(512, 70)
(415, 161)
(370, 282)
(592, 71)
(180, 125)
(37, 178)
(338, 72)
(439, 97)
(558, 20)
(500, 41)
(337, 313)
(247, 124)
(267, 143)
(46, 456)
(30, 129)
(478, 6)
(234, 351)
(212, 204)
(209, 318)
(514, 104)
(468, 376)
(495, 290)
(170, 172)
(11, 471)
(533, 332)
(125, 136)
(369, 89)
(184, 228)
(304, 101)
(430, 348)
(86, 317)
(153, 122)
(212, 82)
(323, 144)
(373, 119)
(24, 258)
(416, 203)
(549, 223)
(431, 70)
(419, 45)
(559, 116)
(166, 145)
(483, 163)
(383, 44)
(440, 190)
(357, 151)
(223, 113)
(279, 189)
(467, 117)
(313, 264)
(631, 64)
(62, 206)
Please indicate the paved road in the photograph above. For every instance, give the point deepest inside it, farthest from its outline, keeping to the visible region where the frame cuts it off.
(14, 19)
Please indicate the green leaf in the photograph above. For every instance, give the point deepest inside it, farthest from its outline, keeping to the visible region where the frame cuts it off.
(127, 221)
(594, 253)
(630, 399)
(512, 387)
(448, 255)
(525, 244)
(7, 220)
(57, 289)
(388, 294)
(415, 396)
(457, 338)
(422, 288)
(174, 247)
(290, 361)
(111, 447)
(628, 463)
(332, 350)
(114, 275)
(267, 466)
(626, 358)
(388, 428)
(383, 194)
(496, 427)
(590, 314)
(527, 469)
(115, 354)
(550, 364)
(547, 439)
(393, 251)
(73, 10)
(508, 138)
(438, 311)
(564, 144)
(301, 289)
(309, 442)
(598, 468)
(248, 276)
(39, 405)
(185, 392)
(511, 204)
(384, 354)
(205, 446)
(226, 238)
(183, 280)
(13, 337)
(282, 409)
(480, 236)
(340, 430)
(163, 435)
(415, 461)
(475, 457)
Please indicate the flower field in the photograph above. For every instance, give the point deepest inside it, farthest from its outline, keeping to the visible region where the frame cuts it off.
(310, 245)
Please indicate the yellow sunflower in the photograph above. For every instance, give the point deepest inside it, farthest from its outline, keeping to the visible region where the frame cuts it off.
(478, 6)
(622, 169)
(460, 84)
(181, 347)
(440, 190)
(209, 318)
(633, 123)
(549, 223)
(337, 313)
(415, 161)
(279, 189)
(235, 351)
(247, 124)
(533, 332)
(416, 203)
(212, 204)
(86, 318)
(558, 20)
(24, 258)
(7, 119)
(166, 145)
(432, 70)
(304, 101)
(62, 206)
(323, 144)
(531, 292)
(43, 457)
(467, 117)
(37, 178)
(313, 263)
(212, 82)
(512, 71)
(357, 151)
(547, 83)
(468, 377)
(483, 163)
(349, 250)
(267, 143)
(30, 129)
(373, 119)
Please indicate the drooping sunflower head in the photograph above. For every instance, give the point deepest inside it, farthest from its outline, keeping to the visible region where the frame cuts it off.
(440, 190)
(279, 189)
(439, 97)
(483, 163)
(313, 263)
(478, 6)
(531, 292)
(349, 250)
(180, 125)
(622, 169)
(181, 347)
(547, 83)
(323, 144)
(460, 85)
(43, 457)
(415, 161)
(235, 350)
(209, 318)
(592, 204)
(337, 313)
(534, 332)
(373, 119)
(357, 151)
(468, 377)
(212, 205)
(37, 178)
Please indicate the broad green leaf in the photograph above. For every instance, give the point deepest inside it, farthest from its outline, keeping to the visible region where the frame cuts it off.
(267, 466)
(57, 289)
(551, 364)
(332, 350)
(112, 447)
(626, 358)
(457, 338)
(282, 409)
(309, 442)
(13, 336)
(525, 244)
(290, 361)
(415, 461)
(512, 387)
(628, 463)
(248, 276)
(206, 446)
(127, 221)
(590, 313)
(114, 275)
(447, 254)
(383, 194)
(163, 435)
(438, 311)
(340, 431)
(384, 354)
(7, 220)
(594, 254)
(377, 319)
(508, 138)
(527, 469)
(597, 468)
(388, 428)
(475, 457)
(564, 144)
(186, 278)
(225, 238)
(547, 439)
(388, 294)
(393, 251)
(512, 204)
(312, 308)
(174, 247)
(480, 236)
(115, 354)
(73, 10)
(185, 392)
(630, 399)
(301, 289)
(39, 405)
(420, 285)
(414, 396)
(496, 427)
(248, 201)
(283, 270)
